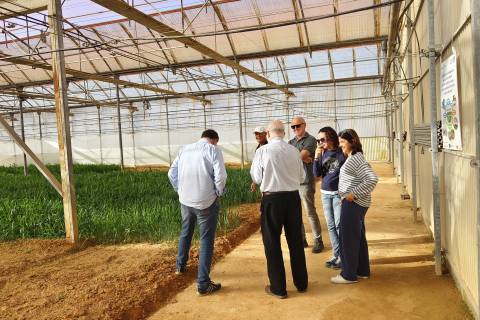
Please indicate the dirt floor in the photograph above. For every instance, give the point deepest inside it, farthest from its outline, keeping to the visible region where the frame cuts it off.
(403, 284)
(48, 279)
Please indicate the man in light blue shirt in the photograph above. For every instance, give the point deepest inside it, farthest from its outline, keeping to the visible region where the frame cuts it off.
(198, 175)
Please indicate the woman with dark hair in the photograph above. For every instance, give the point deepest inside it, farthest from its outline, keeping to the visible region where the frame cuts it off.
(328, 160)
(357, 181)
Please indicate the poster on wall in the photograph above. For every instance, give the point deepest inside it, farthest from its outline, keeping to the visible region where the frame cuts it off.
(451, 126)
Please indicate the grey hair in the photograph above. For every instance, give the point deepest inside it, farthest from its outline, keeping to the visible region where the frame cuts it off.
(276, 127)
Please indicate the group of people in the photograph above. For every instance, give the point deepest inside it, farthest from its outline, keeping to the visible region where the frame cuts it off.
(286, 173)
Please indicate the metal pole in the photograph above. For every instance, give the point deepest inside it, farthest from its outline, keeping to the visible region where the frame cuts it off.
(204, 116)
(387, 128)
(245, 134)
(335, 120)
(119, 124)
(12, 119)
(41, 135)
(133, 134)
(391, 135)
(475, 5)
(411, 116)
(287, 110)
(168, 133)
(242, 160)
(63, 121)
(22, 126)
(395, 129)
(100, 134)
(399, 100)
(433, 134)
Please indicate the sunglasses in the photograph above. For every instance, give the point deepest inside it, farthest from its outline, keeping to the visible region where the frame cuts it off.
(321, 140)
(295, 126)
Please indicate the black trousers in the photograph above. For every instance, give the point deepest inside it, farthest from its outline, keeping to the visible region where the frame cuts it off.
(283, 210)
(353, 243)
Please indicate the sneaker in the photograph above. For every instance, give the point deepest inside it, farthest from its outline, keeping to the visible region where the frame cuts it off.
(180, 271)
(363, 277)
(336, 265)
(332, 260)
(305, 243)
(269, 291)
(211, 288)
(341, 280)
(318, 246)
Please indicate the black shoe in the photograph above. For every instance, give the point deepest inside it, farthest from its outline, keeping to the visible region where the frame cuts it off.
(305, 243)
(180, 271)
(336, 265)
(211, 288)
(269, 291)
(302, 290)
(318, 246)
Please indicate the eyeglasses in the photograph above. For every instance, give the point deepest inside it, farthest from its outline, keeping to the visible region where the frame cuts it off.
(295, 126)
(321, 140)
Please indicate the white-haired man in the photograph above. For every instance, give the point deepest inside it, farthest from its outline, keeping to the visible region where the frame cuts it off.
(278, 170)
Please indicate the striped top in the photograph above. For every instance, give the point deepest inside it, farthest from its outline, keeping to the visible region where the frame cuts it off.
(357, 177)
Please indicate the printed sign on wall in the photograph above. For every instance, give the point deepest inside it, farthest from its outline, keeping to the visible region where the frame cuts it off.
(451, 127)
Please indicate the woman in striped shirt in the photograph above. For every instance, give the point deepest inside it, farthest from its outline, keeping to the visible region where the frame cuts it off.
(357, 181)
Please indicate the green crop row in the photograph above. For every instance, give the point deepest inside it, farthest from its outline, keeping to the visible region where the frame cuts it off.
(113, 206)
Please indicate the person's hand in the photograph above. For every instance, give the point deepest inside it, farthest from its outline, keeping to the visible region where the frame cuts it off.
(349, 197)
(318, 152)
(253, 187)
(308, 160)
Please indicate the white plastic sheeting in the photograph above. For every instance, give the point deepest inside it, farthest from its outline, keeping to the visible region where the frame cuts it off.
(357, 105)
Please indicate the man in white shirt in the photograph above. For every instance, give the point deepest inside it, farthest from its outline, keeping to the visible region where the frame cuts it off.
(198, 175)
(278, 170)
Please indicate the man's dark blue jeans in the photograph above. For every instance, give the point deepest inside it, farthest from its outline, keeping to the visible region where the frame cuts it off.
(207, 223)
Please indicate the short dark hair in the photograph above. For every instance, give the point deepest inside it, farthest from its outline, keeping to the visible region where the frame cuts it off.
(210, 134)
(352, 137)
(331, 135)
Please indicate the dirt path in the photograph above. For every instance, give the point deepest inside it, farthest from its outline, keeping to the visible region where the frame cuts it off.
(47, 279)
(403, 283)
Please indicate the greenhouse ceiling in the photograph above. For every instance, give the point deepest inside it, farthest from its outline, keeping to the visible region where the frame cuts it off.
(191, 48)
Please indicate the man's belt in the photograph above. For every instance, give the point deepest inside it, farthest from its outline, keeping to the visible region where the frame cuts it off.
(271, 193)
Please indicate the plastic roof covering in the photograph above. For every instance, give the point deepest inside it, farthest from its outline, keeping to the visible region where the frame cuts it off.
(105, 42)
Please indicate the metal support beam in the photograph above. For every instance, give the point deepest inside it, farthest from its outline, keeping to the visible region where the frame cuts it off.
(335, 120)
(389, 131)
(22, 130)
(287, 111)
(100, 134)
(63, 121)
(36, 161)
(475, 5)
(90, 76)
(242, 159)
(132, 111)
(411, 117)
(168, 133)
(128, 11)
(394, 14)
(398, 92)
(204, 62)
(204, 116)
(207, 93)
(432, 54)
(245, 134)
(119, 126)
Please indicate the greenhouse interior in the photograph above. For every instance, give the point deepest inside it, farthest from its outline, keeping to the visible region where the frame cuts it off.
(100, 100)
